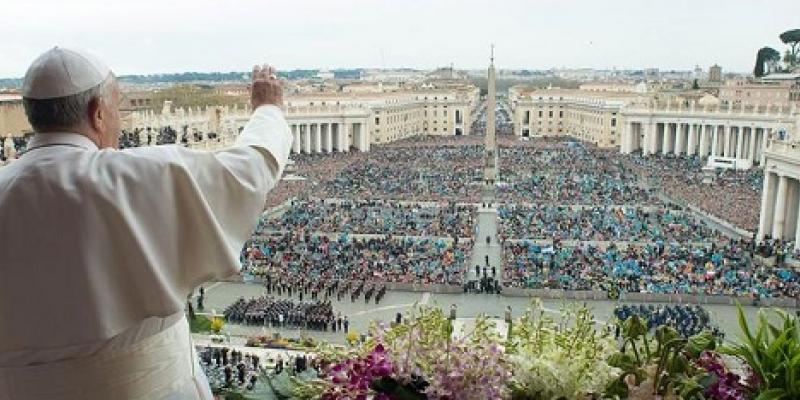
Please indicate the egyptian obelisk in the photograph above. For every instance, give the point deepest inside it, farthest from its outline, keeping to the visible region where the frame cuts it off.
(490, 172)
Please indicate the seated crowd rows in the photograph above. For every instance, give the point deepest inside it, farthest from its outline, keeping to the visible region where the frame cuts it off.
(376, 217)
(724, 268)
(635, 224)
(571, 175)
(732, 195)
(384, 259)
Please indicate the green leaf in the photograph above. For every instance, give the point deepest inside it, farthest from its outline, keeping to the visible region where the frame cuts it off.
(771, 394)
(700, 342)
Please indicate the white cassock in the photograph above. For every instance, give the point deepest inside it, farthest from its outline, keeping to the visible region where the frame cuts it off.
(100, 248)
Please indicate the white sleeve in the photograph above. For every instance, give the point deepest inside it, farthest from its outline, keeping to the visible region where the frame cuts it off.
(205, 205)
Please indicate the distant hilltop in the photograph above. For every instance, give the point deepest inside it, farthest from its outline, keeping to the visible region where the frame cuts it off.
(210, 77)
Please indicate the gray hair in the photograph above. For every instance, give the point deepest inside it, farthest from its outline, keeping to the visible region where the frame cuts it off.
(64, 112)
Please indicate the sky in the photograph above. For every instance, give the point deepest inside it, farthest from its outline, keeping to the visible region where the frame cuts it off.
(165, 36)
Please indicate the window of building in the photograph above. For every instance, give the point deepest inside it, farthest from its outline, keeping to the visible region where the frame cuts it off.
(377, 121)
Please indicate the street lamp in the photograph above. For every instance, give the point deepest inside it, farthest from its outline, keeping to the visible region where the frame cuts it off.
(509, 322)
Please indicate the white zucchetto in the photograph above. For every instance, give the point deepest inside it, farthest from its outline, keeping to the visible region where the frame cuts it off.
(61, 72)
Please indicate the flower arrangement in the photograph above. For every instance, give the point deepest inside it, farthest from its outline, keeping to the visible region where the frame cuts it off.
(353, 378)
(216, 324)
(725, 385)
(352, 337)
(277, 342)
(563, 358)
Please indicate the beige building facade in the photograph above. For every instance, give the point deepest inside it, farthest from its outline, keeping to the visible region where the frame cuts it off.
(13, 121)
(592, 116)
(324, 122)
(760, 91)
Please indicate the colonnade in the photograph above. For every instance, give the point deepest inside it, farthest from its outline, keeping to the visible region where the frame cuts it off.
(780, 207)
(327, 137)
(705, 139)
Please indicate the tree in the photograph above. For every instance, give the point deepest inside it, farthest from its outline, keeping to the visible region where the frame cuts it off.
(789, 58)
(695, 85)
(791, 38)
(764, 58)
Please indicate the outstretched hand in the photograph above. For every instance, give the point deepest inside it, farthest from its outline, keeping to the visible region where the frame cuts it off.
(265, 88)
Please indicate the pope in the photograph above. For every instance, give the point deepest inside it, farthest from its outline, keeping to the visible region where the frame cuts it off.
(101, 247)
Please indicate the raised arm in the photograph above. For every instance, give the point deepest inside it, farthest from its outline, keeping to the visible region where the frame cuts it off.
(213, 199)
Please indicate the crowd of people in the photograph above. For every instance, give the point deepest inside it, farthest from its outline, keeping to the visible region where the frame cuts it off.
(283, 313)
(311, 172)
(325, 288)
(731, 195)
(606, 223)
(688, 320)
(341, 257)
(229, 368)
(376, 217)
(16, 144)
(724, 268)
(375, 179)
(413, 172)
(569, 174)
(161, 136)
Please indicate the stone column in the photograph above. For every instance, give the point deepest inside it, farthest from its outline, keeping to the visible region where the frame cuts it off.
(653, 137)
(625, 138)
(740, 143)
(344, 139)
(328, 138)
(797, 229)
(363, 143)
(725, 141)
(714, 140)
(645, 127)
(317, 138)
(678, 139)
(665, 139)
(767, 203)
(780, 208)
(307, 139)
(335, 139)
(296, 141)
(751, 154)
(703, 140)
(690, 148)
